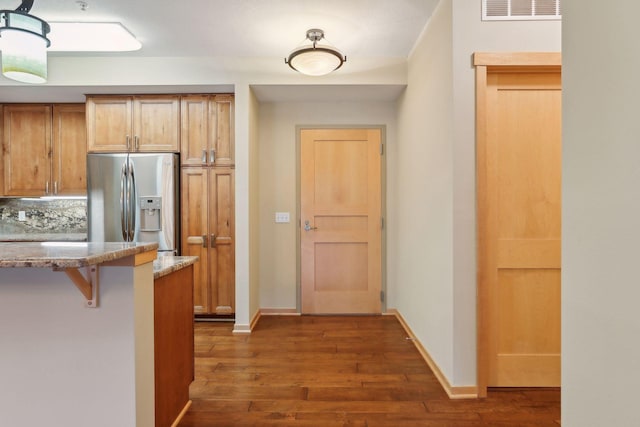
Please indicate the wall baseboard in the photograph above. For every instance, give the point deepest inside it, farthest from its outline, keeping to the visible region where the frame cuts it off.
(465, 392)
(279, 312)
(241, 329)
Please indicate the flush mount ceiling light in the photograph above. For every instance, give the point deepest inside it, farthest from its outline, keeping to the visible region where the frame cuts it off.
(91, 37)
(23, 42)
(315, 59)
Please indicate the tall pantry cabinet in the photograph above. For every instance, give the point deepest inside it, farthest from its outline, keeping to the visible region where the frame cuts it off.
(207, 195)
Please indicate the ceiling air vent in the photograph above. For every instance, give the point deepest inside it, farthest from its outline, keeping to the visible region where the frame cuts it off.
(516, 10)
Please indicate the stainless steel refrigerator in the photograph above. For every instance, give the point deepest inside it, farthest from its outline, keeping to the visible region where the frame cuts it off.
(133, 197)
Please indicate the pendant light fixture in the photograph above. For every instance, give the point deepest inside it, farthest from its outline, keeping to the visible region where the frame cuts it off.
(23, 43)
(315, 59)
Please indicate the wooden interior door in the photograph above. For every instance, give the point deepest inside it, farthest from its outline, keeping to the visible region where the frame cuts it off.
(340, 221)
(221, 229)
(519, 193)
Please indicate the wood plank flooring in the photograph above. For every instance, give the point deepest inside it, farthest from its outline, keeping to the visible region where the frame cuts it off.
(338, 371)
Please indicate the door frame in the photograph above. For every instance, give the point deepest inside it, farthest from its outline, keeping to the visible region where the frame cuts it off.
(485, 63)
(383, 208)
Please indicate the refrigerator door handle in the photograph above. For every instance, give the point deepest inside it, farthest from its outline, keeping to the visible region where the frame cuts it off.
(132, 203)
(123, 201)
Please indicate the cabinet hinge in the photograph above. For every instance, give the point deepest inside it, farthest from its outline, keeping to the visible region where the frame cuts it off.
(381, 296)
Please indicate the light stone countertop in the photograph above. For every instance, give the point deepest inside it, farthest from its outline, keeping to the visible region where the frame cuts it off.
(44, 237)
(165, 265)
(67, 254)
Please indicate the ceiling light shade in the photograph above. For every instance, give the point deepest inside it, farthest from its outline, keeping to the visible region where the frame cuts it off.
(315, 59)
(23, 42)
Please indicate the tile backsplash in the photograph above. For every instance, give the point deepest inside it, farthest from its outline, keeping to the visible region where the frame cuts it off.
(43, 216)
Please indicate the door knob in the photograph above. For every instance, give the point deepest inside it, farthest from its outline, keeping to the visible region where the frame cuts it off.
(308, 227)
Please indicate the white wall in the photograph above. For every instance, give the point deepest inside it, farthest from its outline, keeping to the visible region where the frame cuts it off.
(278, 191)
(601, 215)
(436, 262)
(254, 206)
(62, 364)
(471, 35)
(422, 224)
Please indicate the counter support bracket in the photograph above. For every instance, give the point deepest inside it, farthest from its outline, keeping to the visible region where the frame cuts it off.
(88, 286)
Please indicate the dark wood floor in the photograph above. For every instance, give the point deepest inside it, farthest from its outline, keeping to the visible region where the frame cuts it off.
(338, 371)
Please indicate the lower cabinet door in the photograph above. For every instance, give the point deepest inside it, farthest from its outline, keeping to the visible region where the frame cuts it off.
(208, 224)
(222, 241)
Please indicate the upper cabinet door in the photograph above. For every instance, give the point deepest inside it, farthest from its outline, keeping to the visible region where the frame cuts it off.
(194, 137)
(109, 123)
(156, 123)
(27, 150)
(69, 157)
(221, 124)
(207, 134)
(133, 123)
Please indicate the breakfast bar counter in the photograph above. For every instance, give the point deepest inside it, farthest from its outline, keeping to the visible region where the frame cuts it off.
(59, 255)
(79, 327)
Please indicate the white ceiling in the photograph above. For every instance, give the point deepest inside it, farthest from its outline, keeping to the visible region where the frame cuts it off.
(265, 29)
(251, 28)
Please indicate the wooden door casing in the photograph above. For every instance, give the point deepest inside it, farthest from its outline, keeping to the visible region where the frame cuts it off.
(341, 202)
(519, 180)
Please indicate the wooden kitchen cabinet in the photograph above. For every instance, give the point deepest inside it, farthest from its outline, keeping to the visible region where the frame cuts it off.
(69, 158)
(208, 213)
(144, 123)
(44, 149)
(173, 344)
(207, 130)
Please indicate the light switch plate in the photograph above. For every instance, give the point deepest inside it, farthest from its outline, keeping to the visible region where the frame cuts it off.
(282, 217)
